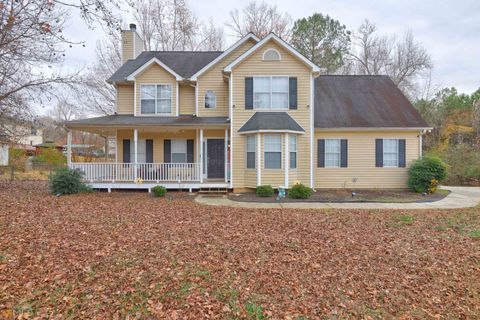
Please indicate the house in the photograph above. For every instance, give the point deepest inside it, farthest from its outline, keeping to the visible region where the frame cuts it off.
(257, 113)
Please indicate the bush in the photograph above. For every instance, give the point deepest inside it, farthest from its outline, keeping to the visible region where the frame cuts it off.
(67, 181)
(159, 191)
(426, 173)
(299, 191)
(17, 158)
(264, 191)
(50, 156)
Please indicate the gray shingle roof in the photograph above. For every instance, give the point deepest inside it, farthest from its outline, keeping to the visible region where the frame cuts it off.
(362, 102)
(185, 63)
(131, 120)
(271, 121)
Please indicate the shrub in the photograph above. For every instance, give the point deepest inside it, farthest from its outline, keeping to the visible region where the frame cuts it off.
(17, 158)
(50, 156)
(426, 173)
(264, 191)
(67, 181)
(299, 191)
(159, 191)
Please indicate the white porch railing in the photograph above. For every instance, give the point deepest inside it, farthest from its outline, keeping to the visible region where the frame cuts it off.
(157, 172)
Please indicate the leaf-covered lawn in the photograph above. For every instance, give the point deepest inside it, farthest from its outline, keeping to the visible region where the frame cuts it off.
(130, 255)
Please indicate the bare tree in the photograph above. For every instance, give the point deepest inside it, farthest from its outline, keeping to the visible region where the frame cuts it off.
(261, 19)
(211, 38)
(404, 60)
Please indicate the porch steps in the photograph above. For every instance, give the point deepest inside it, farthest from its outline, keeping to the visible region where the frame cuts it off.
(213, 191)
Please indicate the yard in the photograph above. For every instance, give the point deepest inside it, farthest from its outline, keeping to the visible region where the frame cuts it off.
(125, 254)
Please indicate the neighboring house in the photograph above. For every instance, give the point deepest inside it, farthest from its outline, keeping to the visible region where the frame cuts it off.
(258, 113)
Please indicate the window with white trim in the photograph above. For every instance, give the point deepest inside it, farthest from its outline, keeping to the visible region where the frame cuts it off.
(141, 151)
(270, 92)
(251, 149)
(390, 153)
(210, 99)
(332, 153)
(156, 99)
(292, 148)
(273, 151)
(271, 55)
(179, 151)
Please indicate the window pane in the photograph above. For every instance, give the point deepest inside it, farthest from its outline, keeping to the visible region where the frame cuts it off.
(293, 143)
(390, 152)
(164, 106)
(273, 160)
(261, 84)
(262, 100)
(332, 145)
(179, 146)
(332, 160)
(251, 142)
(293, 160)
(147, 106)
(147, 92)
(210, 100)
(280, 84)
(280, 100)
(332, 153)
(164, 91)
(179, 157)
(273, 143)
(251, 160)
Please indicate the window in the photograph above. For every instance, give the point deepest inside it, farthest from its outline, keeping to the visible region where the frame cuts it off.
(251, 147)
(271, 55)
(332, 153)
(210, 99)
(390, 152)
(273, 151)
(270, 92)
(156, 99)
(141, 151)
(293, 151)
(179, 151)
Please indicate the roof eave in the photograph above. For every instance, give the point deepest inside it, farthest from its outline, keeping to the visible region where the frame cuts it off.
(134, 74)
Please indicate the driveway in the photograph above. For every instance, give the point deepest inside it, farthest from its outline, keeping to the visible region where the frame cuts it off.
(460, 197)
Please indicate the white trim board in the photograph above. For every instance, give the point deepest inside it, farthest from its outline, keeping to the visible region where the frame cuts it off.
(280, 42)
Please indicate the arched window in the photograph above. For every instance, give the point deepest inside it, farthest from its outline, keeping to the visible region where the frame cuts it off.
(210, 99)
(271, 55)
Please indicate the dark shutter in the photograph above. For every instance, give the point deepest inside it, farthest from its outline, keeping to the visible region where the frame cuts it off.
(321, 153)
(378, 152)
(344, 153)
(292, 92)
(167, 148)
(126, 150)
(149, 151)
(190, 151)
(249, 93)
(402, 161)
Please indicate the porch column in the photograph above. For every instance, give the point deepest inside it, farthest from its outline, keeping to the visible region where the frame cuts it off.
(226, 155)
(135, 152)
(69, 148)
(259, 159)
(201, 156)
(287, 159)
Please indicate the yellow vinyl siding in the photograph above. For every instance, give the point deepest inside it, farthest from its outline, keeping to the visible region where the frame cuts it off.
(186, 95)
(213, 80)
(125, 99)
(156, 75)
(287, 66)
(361, 161)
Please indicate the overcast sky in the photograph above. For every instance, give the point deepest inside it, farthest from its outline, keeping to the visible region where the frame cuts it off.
(449, 30)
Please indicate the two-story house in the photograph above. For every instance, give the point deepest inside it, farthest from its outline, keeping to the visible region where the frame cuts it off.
(257, 113)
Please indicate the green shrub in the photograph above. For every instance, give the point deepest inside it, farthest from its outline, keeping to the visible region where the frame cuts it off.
(426, 173)
(299, 191)
(50, 156)
(159, 191)
(67, 181)
(17, 158)
(264, 191)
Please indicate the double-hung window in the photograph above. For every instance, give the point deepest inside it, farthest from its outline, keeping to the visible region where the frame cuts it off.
(293, 151)
(270, 92)
(332, 153)
(210, 99)
(273, 151)
(251, 149)
(156, 99)
(179, 151)
(390, 152)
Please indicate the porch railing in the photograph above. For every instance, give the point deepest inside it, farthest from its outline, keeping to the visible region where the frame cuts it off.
(153, 172)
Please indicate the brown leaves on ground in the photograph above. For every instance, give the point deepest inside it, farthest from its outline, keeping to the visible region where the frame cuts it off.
(129, 255)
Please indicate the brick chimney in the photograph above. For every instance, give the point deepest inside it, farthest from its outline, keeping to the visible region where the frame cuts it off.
(132, 43)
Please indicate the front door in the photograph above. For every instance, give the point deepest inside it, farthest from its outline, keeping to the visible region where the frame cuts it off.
(215, 158)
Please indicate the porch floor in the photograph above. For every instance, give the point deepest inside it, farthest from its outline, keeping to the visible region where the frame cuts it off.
(208, 183)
